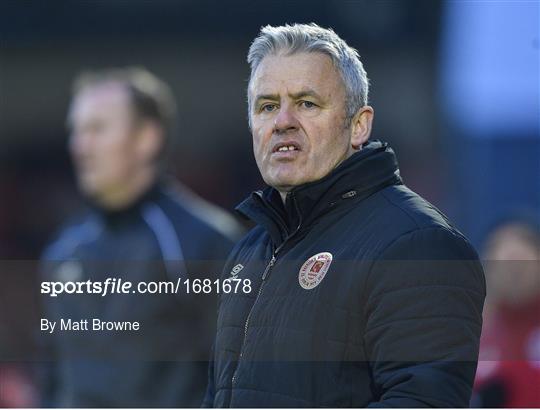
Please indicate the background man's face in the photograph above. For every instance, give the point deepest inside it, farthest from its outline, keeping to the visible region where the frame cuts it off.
(102, 141)
(298, 119)
(512, 265)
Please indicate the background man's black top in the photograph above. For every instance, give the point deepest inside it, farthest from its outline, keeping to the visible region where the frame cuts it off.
(167, 233)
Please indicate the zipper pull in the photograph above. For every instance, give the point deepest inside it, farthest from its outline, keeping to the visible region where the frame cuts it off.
(270, 264)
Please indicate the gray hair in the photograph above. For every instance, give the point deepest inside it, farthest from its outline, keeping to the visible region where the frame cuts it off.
(298, 38)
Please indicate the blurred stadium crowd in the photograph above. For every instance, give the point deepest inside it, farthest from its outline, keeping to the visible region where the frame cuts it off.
(454, 95)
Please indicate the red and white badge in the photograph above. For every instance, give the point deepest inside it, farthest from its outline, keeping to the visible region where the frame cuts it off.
(314, 269)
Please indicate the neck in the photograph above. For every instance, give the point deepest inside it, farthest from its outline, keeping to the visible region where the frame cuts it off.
(122, 196)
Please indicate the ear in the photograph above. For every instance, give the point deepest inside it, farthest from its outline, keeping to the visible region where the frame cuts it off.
(150, 140)
(361, 126)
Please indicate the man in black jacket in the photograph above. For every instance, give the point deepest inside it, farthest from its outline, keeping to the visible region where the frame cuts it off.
(138, 228)
(363, 293)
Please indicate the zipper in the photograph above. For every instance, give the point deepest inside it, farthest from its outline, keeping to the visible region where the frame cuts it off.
(264, 276)
(246, 326)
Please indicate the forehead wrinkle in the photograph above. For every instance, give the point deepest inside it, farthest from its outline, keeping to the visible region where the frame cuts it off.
(304, 92)
(294, 87)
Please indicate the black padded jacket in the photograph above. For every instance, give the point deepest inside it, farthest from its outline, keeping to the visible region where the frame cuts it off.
(363, 295)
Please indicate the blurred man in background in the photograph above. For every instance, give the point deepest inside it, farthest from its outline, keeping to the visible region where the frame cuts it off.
(137, 227)
(509, 367)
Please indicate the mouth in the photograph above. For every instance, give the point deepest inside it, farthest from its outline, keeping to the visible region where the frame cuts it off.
(286, 149)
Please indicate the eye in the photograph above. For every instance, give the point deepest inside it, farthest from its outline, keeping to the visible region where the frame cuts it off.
(268, 107)
(308, 104)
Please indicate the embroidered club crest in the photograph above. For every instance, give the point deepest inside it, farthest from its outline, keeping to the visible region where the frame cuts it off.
(313, 270)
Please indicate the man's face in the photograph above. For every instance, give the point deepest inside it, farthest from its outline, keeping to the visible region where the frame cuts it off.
(512, 267)
(298, 119)
(102, 143)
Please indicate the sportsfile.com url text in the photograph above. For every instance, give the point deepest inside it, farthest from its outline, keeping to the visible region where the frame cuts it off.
(118, 286)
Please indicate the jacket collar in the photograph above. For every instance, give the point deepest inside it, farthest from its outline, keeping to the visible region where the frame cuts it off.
(131, 211)
(356, 178)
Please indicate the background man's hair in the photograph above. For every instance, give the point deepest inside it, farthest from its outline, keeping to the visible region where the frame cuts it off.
(298, 38)
(151, 98)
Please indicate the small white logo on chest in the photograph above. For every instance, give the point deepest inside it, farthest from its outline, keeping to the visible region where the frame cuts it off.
(314, 269)
(236, 270)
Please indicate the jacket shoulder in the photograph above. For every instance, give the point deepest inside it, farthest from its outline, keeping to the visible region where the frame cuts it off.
(196, 215)
(402, 211)
(414, 211)
(398, 218)
(79, 228)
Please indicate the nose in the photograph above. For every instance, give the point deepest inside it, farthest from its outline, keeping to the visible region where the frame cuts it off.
(285, 120)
